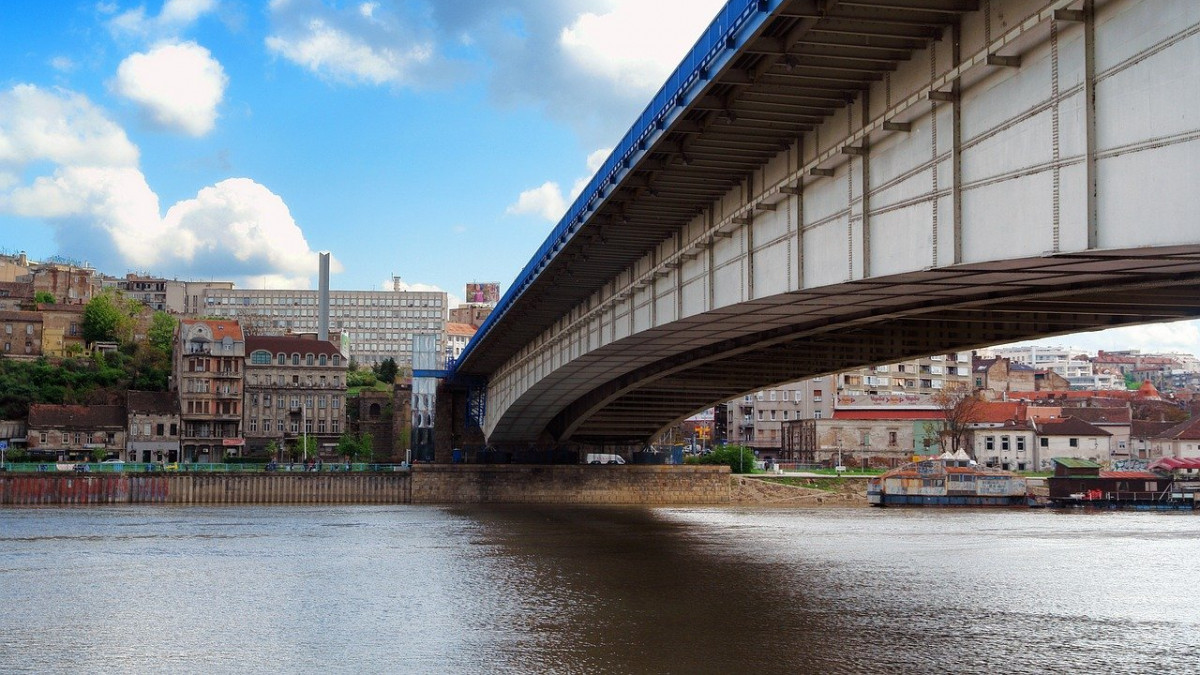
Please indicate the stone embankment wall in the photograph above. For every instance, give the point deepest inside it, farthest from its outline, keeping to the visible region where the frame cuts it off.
(307, 488)
(427, 484)
(570, 484)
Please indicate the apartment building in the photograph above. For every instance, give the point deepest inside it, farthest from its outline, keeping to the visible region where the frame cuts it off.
(208, 369)
(294, 387)
(20, 333)
(376, 324)
(759, 419)
(153, 425)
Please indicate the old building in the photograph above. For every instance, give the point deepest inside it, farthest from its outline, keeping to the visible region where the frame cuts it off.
(1181, 441)
(1071, 437)
(20, 333)
(153, 426)
(295, 387)
(457, 337)
(62, 329)
(758, 419)
(150, 291)
(76, 432)
(16, 295)
(207, 375)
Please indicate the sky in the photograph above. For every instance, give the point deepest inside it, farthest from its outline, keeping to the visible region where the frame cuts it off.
(434, 140)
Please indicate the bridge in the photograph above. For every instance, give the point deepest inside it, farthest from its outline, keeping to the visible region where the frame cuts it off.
(827, 184)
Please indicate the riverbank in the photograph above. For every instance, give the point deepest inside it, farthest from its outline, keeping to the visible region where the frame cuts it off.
(773, 490)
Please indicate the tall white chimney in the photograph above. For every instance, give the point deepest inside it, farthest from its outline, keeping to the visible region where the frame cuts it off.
(323, 302)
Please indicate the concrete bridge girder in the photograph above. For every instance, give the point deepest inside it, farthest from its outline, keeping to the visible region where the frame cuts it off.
(1008, 202)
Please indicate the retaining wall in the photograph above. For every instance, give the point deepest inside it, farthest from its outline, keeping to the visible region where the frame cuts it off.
(426, 484)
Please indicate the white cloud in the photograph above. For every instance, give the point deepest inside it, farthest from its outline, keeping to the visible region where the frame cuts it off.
(547, 201)
(354, 45)
(1179, 336)
(97, 200)
(178, 86)
(175, 16)
(636, 44)
(452, 300)
(62, 64)
(60, 127)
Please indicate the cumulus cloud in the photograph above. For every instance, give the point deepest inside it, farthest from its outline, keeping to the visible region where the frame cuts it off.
(547, 201)
(591, 64)
(178, 86)
(58, 126)
(636, 44)
(175, 16)
(97, 200)
(360, 44)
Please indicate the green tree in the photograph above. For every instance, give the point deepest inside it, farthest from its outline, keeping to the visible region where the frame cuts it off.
(102, 319)
(386, 370)
(161, 334)
(306, 447)
(98, 454)
(355, 448)
(44, 298)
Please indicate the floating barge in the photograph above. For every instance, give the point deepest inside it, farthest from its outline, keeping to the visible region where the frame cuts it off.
(947, 480)
(1170, 484)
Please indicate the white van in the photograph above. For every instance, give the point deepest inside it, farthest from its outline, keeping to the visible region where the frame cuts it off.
(604, 458)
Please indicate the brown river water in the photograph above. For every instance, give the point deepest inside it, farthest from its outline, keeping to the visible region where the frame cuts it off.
(416, 589)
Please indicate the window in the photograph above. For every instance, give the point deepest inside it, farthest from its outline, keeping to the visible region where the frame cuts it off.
(335, 426)
(146, 429)
(253, 424)
(281, 359)
(260, 358)
(1044, 442)
(321, 360)
(1020, 444)
(1004, 443)
(989, 443)
(892, 438)
(309, 360)
(1074, 442)
(295, 359)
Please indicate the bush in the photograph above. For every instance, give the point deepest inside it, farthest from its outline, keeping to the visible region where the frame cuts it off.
(739, 459)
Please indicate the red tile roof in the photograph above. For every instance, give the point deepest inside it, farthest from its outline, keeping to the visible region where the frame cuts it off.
(1173, 463)
(152, 403)
(220, 328)
(1188, 430)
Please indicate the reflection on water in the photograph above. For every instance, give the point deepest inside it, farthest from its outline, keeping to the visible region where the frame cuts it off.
(577, 590)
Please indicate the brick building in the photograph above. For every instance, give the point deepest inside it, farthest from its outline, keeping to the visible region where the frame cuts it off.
(20, 333)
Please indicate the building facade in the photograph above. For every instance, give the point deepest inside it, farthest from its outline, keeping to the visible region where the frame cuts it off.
(76, 432)
(295, 388)
(20, 333)
(378, 324)
(153, 428)
(758, 419)
(208, 369)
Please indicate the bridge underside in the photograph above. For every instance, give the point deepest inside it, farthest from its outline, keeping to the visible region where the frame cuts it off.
(631, 390)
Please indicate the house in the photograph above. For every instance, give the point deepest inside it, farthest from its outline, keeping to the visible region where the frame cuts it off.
(76, 432)
(1181, 441)
(207, 376)
(1071, 438)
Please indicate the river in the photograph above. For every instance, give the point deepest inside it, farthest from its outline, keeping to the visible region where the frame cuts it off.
(412, 589)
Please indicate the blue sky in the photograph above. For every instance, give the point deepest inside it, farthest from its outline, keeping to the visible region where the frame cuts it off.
(438, 140)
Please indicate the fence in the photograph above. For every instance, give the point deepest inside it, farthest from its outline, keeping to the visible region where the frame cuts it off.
(154, 467)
